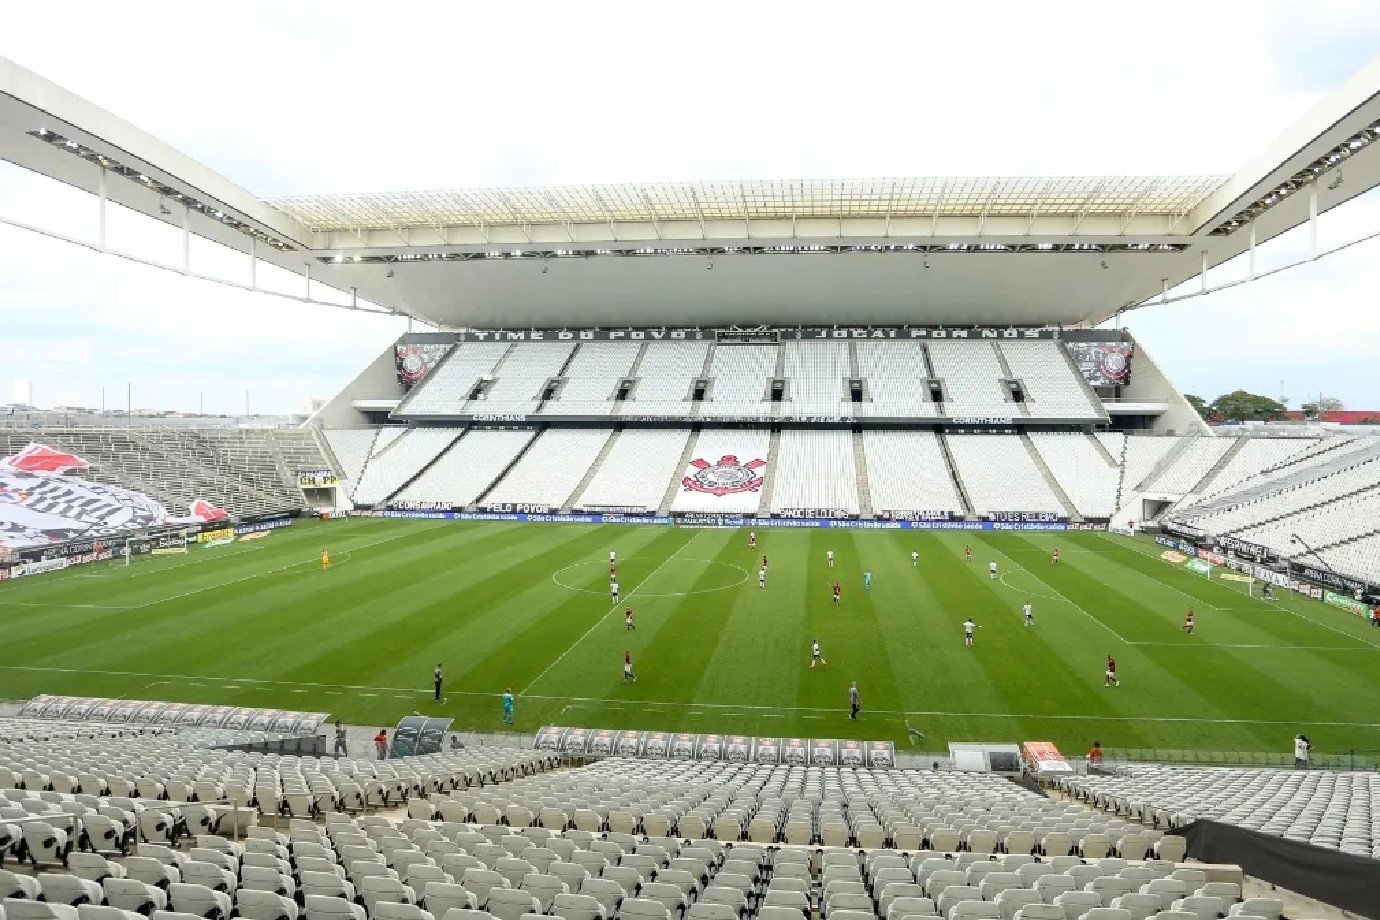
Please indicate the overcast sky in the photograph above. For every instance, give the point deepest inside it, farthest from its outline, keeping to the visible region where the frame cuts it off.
(332, 97)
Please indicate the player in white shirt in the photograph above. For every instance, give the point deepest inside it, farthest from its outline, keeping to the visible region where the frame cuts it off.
(613, 557)
(992, 569)
(829, 554)
(815, 656)
(752, 539)
(914, 559)
(613, 590)
(1029, 614)
(968, 627)
(762, 577)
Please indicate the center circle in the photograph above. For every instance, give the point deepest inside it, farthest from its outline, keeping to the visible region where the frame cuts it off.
(636, 589)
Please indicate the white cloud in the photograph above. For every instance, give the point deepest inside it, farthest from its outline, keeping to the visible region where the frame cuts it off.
(351, 96)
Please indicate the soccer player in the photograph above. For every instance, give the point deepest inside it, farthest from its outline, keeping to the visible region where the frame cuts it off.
(867, 580)
(1056, 555)
(764, 560)
(837, 591)
(1188, 621)
(628, 619)
(829, 554)
(968, 627)
(613, 590)
(992, 570)
(437, 677)
(1111, 680)
(968, 553)
(815, 655)
(752, 539)
(854, 700)
(613, 557)
(325, 560)
(762, 577)
(914, 559)
(628, 675)
(509, 707)
(1029, 614)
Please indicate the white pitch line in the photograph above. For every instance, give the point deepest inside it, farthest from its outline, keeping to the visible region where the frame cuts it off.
(1340, 632)
(720, 707)
(1283, 648)
(1060, 596)
(622, 602)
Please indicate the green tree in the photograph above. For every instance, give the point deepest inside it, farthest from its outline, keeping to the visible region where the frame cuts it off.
(1240, 406)
(1317, 407)
(1198, 404)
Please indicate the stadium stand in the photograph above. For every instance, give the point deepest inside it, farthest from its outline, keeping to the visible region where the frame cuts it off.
(815, 472)
(1142, 455)
(895, 380)
(1082, 470)
(1188, 465)
(1053, 387)
(592, 378)
(817, 375)
(520, 378)
(999, 475)
(1333, 810)
(394, 464)
(468, 469)
(907, 474)
(637, 470)
(451, 382)
(740, 382)
(1255, 455)
(971, 375)
(666, 376)
(551, 469)
(1357, 555)
(710, 445)
(351, 447)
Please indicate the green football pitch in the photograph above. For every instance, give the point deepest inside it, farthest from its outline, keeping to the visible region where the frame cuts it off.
(527, 607)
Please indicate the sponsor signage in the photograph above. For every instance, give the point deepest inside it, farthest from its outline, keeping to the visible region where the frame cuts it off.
(852, 754)
(757, 335)
(223, 541)
(1044, 758)
(1173, 557)
(211, 536)
(1199, 566)
(38, 568)
(683, 746)
(766, 750)
(601, 742)
(1243, 548)
(549, 738)
(710, 747)
(262, 526)
(317, 479)
(721, 520)
(1346, 603)
(918, 515)
(1331, 579)
(1183, 530)
(169, 551)
(515, 508)
(738, 749)
(1234, 576)
(1208, 555)
(881, 755)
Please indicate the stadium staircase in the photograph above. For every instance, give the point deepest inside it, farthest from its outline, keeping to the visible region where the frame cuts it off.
(1070, 511)
(769, 481)
(1121, 477)
(860, 463)
(1101, 448)
(673, 487)
(704, 374)
(1022, 407)
(953, 471)
(1169, 459)
(592, 471)
(636, 367)
(560, 374)
(426, 466)
(517, 458)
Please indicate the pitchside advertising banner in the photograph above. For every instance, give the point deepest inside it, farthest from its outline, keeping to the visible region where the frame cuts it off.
(724, 520)
(713, 747)
(1346, 603)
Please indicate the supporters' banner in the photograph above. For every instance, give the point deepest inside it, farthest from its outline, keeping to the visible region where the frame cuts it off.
(1346, 603)
(656, 744)
(629, 744)
(881, 755)
(416, 361)
(738, 749)
(1243, 548)
(1103, 364)
(710, 747)
(823, 752)
(683, 746)
(317, 479)
(1331, 579)
(795, 751)
(549, 738)
(574, 741)
(600, 742)
(727, 475)
(766, 750)
(852, 754)
(1043, 758)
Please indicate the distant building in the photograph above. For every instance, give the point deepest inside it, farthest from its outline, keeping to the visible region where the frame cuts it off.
(23, 392)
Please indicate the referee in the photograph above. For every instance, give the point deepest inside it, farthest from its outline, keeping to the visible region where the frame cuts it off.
(854, 701)
(438, 678)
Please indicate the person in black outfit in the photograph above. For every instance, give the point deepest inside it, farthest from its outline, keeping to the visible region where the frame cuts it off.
(438, 677)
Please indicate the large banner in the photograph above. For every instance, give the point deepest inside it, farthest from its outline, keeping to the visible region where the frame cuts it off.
(757, 335)
(415, 361)
(725, 476)
(739, 749)
(727, 520)
(42, 504)
(1104, 364)
(156, 712)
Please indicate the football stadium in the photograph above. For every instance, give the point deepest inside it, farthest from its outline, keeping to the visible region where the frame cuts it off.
(777, 549)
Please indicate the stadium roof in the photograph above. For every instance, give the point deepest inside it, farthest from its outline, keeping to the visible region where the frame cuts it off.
(1024, 250)
(925, 197)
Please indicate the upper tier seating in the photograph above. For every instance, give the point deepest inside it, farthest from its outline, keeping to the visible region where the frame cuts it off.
(592, 378)
(637, 470)
(740, 382)
(1339, 811)
(817, 376)
(1359, 557)
(1081, 470)
(816, 471)
(665, 378)
(520, 377)
(999, 475)
(895, 380)
(445, 390)
(712, 444)
(460, 476)
(1053, 386)
(907, 473)
(972, 379)
(551, 469)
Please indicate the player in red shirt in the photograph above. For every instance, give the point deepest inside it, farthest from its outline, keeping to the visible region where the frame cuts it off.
(613, 572)
(764, 560)
(1188, 621)
(968, 553)
(1056, 555)
(837, 591)
(1111, 680)
(628, 619)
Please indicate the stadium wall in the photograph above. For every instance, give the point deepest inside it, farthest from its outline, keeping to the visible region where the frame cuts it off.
(1149, 383)
(379, 380)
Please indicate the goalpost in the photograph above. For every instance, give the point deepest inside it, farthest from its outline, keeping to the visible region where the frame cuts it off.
(165, 542)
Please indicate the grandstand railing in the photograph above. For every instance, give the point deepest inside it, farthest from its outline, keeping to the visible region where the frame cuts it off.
(1351, 760)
